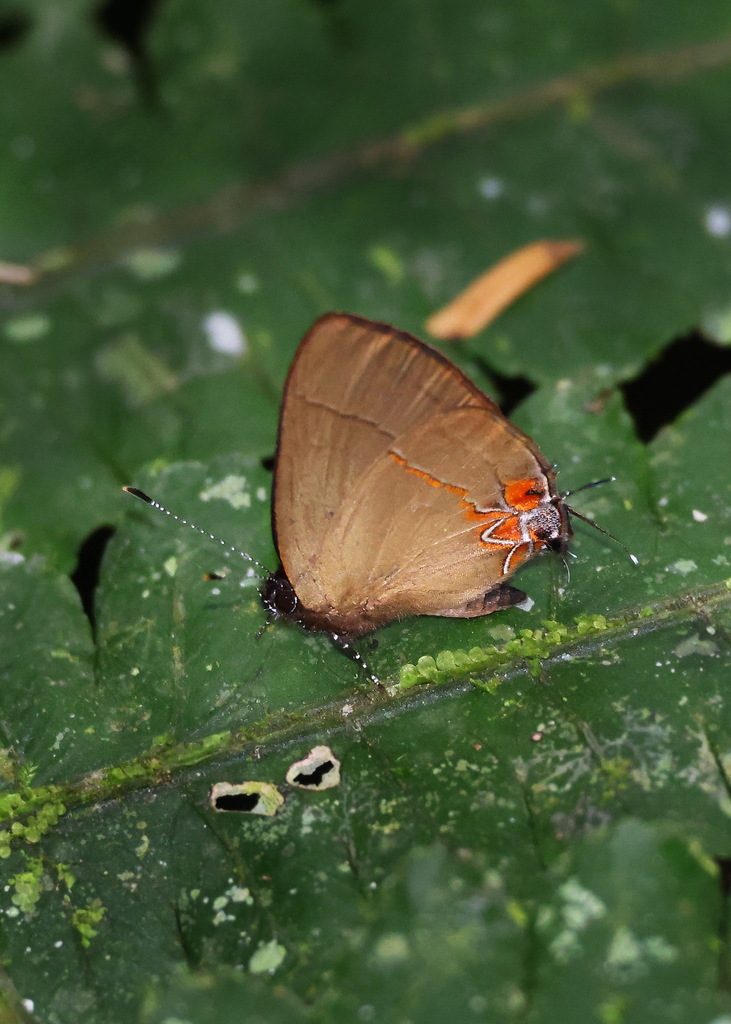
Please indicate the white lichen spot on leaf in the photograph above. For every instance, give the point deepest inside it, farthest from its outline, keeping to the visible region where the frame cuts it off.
(233, 489)
(579, 908)
(696, 645)
(267, 958)
(630, 958)
(152, 264)
(683, 567)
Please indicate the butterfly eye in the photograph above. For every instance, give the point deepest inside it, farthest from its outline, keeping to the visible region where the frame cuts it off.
(557, 545)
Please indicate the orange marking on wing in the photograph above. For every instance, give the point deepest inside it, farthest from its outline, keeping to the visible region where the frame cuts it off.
(520, 554)
(523, 495)
(509, 529)
(433, 480)
(483, 518)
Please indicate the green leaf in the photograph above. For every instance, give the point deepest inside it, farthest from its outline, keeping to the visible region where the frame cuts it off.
(531, 820)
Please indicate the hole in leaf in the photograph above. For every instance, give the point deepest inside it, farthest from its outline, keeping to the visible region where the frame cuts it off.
(268, 462)
(319, 770)
(127, 23)
(85, 576)
(237, 801)
(507, 391)
(14, 26)
(315, 777)
(673, 381)
(246, 798)
(512, 390)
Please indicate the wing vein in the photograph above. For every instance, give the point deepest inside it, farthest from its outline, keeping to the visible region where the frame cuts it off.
(354, 416)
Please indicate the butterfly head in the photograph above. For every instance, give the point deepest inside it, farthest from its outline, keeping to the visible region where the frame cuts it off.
(549, 526)
(278, 596)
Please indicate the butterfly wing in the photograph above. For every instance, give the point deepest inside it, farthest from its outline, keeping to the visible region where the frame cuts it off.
(388, 461)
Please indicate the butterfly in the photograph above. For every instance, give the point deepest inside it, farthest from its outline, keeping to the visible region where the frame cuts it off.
(400, 488)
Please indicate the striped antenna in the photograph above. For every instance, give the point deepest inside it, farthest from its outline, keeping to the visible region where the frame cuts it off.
(585, 487)
(185, 522)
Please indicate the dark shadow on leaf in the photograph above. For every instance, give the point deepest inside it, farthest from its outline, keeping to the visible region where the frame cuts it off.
(724, 938)
(14, 26)
(338, 24)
